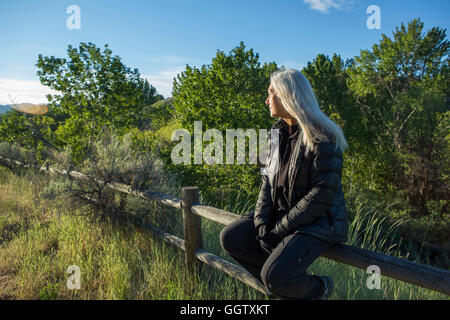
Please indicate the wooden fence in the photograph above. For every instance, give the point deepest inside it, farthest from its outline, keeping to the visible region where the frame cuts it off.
(415, 273)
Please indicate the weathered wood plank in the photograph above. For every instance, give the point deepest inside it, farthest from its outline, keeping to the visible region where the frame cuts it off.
(167, 237)
(214, 214)
(231, 269)
(401, 269)
(145, 194)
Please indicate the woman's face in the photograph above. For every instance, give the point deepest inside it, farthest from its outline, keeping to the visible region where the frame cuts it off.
(275, 105)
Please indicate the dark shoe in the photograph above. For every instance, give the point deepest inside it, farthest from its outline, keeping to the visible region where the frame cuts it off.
(328, 286)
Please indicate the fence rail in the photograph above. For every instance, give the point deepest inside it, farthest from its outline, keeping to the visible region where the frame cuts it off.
(408, 271)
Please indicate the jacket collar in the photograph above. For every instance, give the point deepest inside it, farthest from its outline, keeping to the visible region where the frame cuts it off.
(284, 128)
(278, 124)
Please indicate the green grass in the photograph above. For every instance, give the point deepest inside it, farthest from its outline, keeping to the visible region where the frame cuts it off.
(40, 239)
(115, 263)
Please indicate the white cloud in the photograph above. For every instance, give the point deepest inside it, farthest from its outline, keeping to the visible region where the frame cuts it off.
(324, 5)
(23, 91)
(163, 80)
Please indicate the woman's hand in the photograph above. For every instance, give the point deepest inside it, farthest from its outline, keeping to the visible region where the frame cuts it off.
(267, 239)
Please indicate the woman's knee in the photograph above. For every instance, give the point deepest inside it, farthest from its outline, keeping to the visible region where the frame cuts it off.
(235, 235)
(283, 286)
(226, 239)
(271, 280)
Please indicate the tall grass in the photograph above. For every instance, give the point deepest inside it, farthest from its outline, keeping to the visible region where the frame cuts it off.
(115, 262)
(124, 262)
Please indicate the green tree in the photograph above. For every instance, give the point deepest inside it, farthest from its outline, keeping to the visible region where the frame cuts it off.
(401, 87)
(30, 131)
(328, 78)
(95, 89)
(148, 98)
(158, 114)
(229, 93)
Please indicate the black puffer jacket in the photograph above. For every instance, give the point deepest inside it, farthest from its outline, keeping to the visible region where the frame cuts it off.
(316, 199)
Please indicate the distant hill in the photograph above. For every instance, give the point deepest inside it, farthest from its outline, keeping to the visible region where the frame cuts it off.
(29, 108)
(4, 108)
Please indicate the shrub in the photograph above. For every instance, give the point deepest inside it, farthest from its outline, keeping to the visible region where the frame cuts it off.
(111, 160)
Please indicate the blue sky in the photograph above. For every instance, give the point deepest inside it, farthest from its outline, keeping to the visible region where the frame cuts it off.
(159, 37)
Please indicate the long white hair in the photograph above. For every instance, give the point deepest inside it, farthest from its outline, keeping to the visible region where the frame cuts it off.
(299, 100)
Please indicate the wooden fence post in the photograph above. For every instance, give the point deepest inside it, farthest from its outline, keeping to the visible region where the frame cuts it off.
(192, 227)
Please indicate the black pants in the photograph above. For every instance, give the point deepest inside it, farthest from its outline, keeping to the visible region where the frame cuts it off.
(283, 271)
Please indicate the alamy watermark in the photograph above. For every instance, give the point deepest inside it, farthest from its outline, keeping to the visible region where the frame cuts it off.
(73, 22)
(374, 280)
(182, 152)
(74, 281)
(374, 20)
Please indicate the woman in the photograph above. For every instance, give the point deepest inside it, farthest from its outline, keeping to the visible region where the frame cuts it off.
(300, 212)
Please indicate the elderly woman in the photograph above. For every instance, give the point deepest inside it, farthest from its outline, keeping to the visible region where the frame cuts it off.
(301, 211)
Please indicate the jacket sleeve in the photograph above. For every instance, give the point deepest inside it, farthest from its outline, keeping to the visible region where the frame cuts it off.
(326, 170)
(264, 206)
